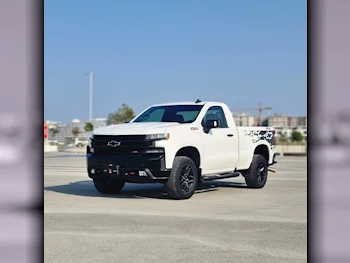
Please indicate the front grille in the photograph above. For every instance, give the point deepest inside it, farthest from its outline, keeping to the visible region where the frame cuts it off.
(129, 144)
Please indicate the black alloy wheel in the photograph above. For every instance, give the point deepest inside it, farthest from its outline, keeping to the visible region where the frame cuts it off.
(256, 175)
(187, 179)
(183, 179)
(261, 173)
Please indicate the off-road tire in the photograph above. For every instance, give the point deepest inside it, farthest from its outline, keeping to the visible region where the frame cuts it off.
(176, 184)
(252, 174)
(105, 186)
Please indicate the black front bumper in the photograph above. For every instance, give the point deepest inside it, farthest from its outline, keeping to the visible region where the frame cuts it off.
(146, 168)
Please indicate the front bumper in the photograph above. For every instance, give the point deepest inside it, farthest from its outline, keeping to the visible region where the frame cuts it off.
(130, 168)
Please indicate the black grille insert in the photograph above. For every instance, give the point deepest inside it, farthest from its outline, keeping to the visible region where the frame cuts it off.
(129, 144)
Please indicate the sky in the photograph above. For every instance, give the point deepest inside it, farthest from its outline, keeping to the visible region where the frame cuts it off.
(147, 52)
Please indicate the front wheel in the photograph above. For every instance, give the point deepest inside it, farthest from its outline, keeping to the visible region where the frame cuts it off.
(183, 179)
(105, 186)
(256, 175)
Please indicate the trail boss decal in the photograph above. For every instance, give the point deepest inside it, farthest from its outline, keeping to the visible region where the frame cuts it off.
(259, 135)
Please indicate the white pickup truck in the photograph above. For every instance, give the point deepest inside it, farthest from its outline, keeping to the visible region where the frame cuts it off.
(179, 145)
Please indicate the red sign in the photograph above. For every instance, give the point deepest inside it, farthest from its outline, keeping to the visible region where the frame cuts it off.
(45, 131)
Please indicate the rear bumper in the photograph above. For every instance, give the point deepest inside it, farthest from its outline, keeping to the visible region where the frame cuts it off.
(147, 168)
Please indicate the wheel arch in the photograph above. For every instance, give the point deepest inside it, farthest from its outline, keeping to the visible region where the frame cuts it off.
(263, 150)
(191, 152)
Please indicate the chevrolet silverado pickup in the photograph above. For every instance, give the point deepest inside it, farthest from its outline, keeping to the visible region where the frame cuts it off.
(179, 145)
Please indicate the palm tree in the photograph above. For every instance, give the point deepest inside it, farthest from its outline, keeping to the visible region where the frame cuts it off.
(54, 131)
(89, 127)
(75, 132)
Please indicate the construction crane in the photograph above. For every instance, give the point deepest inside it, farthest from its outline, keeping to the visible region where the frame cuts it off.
(260, 110)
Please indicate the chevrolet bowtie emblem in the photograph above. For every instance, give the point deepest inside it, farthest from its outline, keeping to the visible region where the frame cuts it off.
(113, 144)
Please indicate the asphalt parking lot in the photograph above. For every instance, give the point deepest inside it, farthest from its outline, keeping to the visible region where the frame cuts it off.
(223, 222)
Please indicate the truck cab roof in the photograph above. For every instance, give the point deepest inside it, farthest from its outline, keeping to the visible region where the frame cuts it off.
(188, 103)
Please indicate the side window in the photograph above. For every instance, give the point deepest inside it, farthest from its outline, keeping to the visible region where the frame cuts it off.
(215, 112)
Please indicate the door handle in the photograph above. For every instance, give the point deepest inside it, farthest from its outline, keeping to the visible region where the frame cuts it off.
(229, 135)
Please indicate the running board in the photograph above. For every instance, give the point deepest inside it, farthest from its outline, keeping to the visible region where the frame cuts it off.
(220, 176)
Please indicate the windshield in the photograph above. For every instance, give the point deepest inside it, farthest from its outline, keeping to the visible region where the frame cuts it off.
(171, 113)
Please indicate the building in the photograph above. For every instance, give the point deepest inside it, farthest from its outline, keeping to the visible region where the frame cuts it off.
(286, 132)
(277, 120)
(52, 124)
(243, 119)
(297, 121)
(281, 120)
(64, 133)
(283, 132)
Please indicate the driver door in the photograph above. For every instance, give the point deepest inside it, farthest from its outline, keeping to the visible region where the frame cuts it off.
(220, 148)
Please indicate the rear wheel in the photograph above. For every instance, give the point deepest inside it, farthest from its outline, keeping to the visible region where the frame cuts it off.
(183, 179)
(256, 175)
(105, 186)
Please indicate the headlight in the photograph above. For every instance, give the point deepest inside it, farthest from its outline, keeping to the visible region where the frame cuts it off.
(160, 136)
(90, 143)
(90, 139)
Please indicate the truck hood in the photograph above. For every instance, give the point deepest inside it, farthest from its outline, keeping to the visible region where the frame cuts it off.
(136, 128)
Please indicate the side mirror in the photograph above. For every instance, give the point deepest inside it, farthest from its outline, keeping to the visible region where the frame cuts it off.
(211, 124)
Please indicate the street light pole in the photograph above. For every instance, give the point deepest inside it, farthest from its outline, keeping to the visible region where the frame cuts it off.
(91, 74)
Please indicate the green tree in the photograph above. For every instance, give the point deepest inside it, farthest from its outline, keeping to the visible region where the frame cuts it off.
(297, 136)
(54, 131)
(123, 114)
(89, 127)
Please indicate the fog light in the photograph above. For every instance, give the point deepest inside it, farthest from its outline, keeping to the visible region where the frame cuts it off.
(93, 171)
(142, 173)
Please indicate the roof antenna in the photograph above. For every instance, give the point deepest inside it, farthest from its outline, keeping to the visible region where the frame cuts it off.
(198, 101)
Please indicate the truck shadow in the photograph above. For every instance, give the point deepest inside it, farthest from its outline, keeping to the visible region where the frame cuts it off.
(156, 191)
